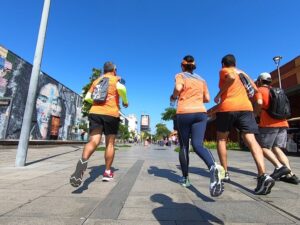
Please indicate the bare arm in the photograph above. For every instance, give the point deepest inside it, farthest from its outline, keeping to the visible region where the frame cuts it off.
(230, 77)
(206, 96)
(177, 89)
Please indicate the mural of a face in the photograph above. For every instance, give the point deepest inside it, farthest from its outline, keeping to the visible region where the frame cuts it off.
(47, 104)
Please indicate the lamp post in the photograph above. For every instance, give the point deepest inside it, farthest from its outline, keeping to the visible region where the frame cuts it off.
(277, 62)
(27, 118)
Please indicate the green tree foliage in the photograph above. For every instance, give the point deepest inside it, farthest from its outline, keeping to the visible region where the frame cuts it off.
(168, 114)
(123, 132)
(161, 131)
(85, 105)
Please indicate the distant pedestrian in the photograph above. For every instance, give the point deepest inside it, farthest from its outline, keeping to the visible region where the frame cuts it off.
(191, 92)
(272, 135)
(235, 110)
(104, 118)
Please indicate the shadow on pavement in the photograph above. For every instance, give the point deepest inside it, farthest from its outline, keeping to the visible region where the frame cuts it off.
(238, 170)
(172, 176)
(241, 187)
(95, 172)
(53, 156)
(183, 212)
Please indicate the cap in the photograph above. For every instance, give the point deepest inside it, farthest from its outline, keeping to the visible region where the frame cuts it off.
(265, 76)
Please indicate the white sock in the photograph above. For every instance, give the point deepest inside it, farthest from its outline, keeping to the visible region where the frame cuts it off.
(279, 167)
(107, 171)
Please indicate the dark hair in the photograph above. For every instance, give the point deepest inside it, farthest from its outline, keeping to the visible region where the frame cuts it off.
(108, 67)
(229, 60)
(266, 82)
(189, 67)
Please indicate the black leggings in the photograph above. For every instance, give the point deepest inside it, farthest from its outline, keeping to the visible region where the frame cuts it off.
(192, 125)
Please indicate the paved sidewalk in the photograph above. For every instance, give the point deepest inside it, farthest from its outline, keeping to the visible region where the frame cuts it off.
(144, 192)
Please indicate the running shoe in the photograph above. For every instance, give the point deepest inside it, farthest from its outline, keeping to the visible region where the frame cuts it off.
(226, 177)
(216, 186)
(282, 171)
(264, 184)
(185, 182)
(108, 176)
(290, 179)
(76, 177)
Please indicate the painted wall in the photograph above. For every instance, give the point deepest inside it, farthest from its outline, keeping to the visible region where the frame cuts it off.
(57, 109)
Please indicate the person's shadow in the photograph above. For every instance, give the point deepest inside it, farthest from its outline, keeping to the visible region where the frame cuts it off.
(243, 172)
(172, 211)
(172, 176)
(95, 172)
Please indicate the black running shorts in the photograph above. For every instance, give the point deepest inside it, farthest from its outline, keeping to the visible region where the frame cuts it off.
(108, 124)
(244, 121)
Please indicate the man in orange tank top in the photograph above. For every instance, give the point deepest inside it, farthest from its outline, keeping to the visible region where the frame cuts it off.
(104, 118)
(272, 135)
(235, 110)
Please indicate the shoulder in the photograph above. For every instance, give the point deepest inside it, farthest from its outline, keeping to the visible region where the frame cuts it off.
(225, 71)
(179, 75)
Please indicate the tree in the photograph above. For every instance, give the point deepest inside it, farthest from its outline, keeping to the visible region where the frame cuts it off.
(162, 131)
(123, 132)
(85, 105)
(169, 114)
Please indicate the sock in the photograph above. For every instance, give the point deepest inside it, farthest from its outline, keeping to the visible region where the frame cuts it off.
(279, 167)
(107, 171)
(83, 160)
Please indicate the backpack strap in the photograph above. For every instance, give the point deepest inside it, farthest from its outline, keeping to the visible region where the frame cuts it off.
(192, 75)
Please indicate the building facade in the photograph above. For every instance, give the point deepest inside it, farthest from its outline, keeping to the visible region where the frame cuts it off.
(57, 110)
(132, 123)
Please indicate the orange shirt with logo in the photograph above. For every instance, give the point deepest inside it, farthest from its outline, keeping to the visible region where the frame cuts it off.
(235, 98)
(111, 106)
(265, 119)
(190, 99)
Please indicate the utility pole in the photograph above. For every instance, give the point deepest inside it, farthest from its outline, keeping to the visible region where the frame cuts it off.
(27, 118)
(277, 62)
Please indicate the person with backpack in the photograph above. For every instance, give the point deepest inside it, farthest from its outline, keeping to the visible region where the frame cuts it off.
(272, 137)
(104, 117)
(235, 110)
(191, 93)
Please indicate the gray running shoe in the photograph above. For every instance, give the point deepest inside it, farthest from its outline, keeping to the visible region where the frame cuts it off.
(216, 186)
(282, 171)
(290, 179)
(264, 184)
(76, 177)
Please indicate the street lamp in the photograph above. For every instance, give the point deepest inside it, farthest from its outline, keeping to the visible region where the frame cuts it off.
(277, 62)
(27, 118)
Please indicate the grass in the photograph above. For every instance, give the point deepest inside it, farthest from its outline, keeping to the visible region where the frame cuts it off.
(102, 148)
(213, 145)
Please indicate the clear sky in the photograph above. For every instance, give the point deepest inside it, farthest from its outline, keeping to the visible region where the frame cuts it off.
(148, 38)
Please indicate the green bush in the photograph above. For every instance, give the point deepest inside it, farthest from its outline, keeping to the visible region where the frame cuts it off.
(213, 145)
(102, 149)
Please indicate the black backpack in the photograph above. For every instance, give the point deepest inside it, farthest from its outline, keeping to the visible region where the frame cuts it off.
(100, 92)
(279, 104)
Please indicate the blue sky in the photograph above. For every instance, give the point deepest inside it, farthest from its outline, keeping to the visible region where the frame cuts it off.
(148, 38)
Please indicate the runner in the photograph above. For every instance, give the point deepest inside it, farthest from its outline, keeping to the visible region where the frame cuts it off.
(103, 118)
(191, 91)
(273, 134)
(235, 110)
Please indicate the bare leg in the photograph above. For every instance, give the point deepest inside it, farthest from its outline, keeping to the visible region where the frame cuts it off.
(94, 141)
(110, 150)
(221, 147)
(256, 152)
(269, 155)
(281, 157)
